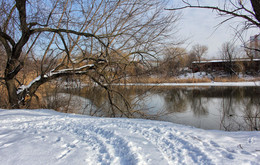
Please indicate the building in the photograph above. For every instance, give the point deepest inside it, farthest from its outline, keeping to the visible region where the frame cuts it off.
(235, 66)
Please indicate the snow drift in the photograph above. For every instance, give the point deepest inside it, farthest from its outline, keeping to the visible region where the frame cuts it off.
(48, 137)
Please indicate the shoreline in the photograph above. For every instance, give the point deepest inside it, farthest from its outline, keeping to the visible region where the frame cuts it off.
(215, 84)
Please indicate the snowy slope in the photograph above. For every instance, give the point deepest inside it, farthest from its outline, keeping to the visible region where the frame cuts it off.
(46, 137)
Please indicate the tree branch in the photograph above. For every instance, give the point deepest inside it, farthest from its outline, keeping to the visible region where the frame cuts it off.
(98, 37)
(21, 7)
(8, 18)
(10, 75)
(37, 82)
(232, 13)
(65, 46)
(7, 37)
(256, 8)
(6, 45)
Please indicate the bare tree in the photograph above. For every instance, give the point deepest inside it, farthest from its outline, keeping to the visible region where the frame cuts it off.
(190, 58)
(71, 37)
(174, 60)
(199, 51)
(229, 54)
(248, 11)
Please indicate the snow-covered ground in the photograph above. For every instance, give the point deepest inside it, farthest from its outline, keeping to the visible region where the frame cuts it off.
(226, 84)
(197, 75)
(49, 137)
(200, 75)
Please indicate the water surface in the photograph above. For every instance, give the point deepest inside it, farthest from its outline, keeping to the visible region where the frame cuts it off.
(221, 108)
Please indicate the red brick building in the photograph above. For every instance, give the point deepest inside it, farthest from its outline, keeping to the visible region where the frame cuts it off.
(237, 65)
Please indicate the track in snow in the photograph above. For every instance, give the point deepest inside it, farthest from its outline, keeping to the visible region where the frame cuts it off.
(55, 138)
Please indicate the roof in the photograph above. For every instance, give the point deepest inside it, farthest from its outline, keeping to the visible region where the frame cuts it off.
(216, 61)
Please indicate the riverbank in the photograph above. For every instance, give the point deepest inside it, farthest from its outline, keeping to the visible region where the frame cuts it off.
(228, 84)
(199, 77)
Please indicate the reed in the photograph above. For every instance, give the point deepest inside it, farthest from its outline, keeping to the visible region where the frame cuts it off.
(155, 80)
(229, 79)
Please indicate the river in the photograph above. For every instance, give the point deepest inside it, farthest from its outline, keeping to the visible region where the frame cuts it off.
(217, 108)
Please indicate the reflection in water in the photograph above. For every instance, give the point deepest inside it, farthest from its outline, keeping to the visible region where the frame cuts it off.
(225, 108)
(198, 103)
(175, 101)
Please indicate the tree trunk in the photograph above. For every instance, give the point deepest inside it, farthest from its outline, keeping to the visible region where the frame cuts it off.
(13, 66)
(256, 8)
(12, 93)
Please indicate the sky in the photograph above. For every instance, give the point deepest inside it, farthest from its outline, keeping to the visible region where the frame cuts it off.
(200, 26)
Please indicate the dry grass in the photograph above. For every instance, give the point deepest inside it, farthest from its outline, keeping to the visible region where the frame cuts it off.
(4, 97)
(256, 79)
(230, 79)
(36, 100)
(155, 80)
(166, 80)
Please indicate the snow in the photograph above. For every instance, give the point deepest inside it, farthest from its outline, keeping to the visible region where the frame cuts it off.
(197, 75)
(226, 84)
(72, 69)
(224, 60)
(48, 137)
(51, 73)
(25, 87)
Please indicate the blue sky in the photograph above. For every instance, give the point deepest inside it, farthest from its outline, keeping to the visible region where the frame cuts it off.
(200, 27)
